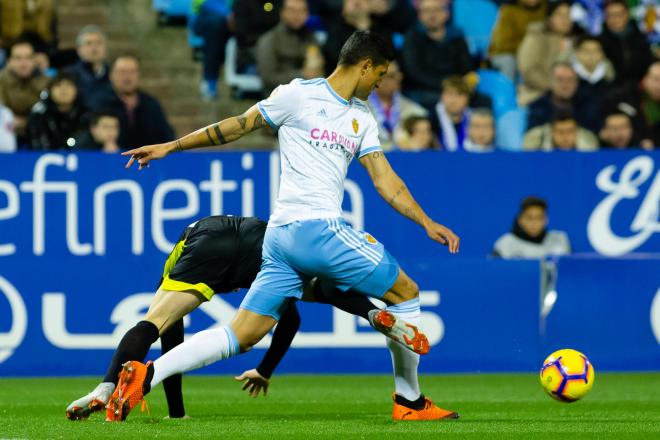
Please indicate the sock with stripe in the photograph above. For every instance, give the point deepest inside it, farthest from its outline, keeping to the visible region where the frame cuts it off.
(202, 349)
(404, 361)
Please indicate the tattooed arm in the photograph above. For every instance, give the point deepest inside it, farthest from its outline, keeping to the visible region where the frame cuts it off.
(390, 186)
(219, 133)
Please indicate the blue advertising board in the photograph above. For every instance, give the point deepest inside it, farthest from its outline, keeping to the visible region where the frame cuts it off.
(83, 241)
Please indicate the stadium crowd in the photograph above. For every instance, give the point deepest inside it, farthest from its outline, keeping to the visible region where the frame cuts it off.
(564, 75)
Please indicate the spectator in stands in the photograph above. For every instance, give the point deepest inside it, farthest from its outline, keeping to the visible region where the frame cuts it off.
(529, 236)
(544, 44)
(7, 134)
(451, 116)
(433, 50)
(509, 31)
(212, 23)
(565, 96)
(593, 69)
(642, 103)
(617, 132)
(91, 71)
(562, 134)
(416, 135)
(20, 16)
(252, 19)
(343, 17)
(142, 120)
(481, 131)
(103, 133)
(354, 15)
(390, 107)
(20, 86)
(624, 45)
(289, 50)
(58, 117)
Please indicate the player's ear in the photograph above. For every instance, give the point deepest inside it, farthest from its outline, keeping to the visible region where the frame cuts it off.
(365, 66)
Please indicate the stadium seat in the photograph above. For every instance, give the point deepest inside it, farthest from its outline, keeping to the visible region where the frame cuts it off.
(476, 19)
(499, 88)
(241, 83)
(171, 9)
(511, 128)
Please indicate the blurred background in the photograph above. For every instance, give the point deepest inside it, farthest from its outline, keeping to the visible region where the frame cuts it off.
(528, 127)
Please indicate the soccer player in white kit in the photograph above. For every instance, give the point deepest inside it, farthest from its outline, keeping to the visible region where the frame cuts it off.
(322, 125)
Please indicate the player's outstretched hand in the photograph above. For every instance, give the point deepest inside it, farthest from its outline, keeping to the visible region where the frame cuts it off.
(254, 382)
(443, 235)
(146, 154)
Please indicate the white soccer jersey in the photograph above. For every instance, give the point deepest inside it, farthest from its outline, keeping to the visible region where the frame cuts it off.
(319, 134)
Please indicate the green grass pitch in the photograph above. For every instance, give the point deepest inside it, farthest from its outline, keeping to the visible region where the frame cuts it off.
(339, 407)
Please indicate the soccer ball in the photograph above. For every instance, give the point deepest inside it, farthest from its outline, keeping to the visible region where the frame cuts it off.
(567, 375)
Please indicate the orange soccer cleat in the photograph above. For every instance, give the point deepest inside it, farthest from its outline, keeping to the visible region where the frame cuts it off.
(429, 412)
(130, 390)
(397, 329)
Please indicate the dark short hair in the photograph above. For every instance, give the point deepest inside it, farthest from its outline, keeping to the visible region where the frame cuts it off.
(553, 5)
(61, 77)
(97, 115)
(562, 116)
(456, 83)
(533, 202)
(587, 39)
(410, 122)
(366, 45)
(623, 3)
(19, 42)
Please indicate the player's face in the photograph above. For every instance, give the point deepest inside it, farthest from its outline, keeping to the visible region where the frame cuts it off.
(391, 82)
(92, 48)
(533, 221)
(125, 76)
(64, 93)
(370, 78)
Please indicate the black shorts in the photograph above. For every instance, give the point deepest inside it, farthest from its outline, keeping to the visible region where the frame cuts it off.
(215, 255)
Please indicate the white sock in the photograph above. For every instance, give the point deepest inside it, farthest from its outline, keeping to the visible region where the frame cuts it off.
(404, 361)
(202, 349)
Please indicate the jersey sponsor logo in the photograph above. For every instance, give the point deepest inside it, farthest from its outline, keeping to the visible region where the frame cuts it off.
(645, 223)
(332, 140)
(370, 238)
(356, 126)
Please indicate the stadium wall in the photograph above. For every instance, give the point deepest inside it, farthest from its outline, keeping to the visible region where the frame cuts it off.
(83, 241)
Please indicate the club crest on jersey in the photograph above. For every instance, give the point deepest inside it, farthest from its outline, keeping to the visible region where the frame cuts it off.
(370, 238)
(356, 126)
